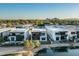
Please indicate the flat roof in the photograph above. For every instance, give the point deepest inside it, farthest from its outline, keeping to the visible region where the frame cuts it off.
(62, 27)
(38, 29)
(3, 30)
(18, 29)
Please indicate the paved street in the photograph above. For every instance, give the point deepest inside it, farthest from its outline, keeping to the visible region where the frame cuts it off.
(7, 50)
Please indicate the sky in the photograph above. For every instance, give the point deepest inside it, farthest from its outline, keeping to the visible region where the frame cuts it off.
(39, 10)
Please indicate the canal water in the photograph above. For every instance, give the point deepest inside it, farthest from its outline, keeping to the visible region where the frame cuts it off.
(63, 51)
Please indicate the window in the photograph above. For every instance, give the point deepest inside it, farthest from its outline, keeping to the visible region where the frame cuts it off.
(33, 34)
(57, 33)
(21, 33)
(73, 37)
(43, 38)
(63, 37)
(77, 35)
(77, 32)
(62, 33)
(72, 32)
(42, 33)
(13, 33)
(57, 38)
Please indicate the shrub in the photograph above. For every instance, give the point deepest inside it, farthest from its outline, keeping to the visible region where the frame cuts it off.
(26, 44)
(30, 44)
(36, 43)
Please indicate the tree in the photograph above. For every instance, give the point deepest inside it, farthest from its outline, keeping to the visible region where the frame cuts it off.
(30, 44)
(26, 44)
(36, 43)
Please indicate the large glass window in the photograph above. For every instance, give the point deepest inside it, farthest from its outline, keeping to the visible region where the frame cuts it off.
(57, 38)
(35, 35)
(43, 38)
(22, 33)
(63, 37)
(57, 33)
(62, 33)
(77, 35)
(13, 33)
(72, 32)
(19, 37)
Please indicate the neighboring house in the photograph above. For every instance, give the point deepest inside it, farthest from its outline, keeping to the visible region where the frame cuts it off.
(18, 35)
(39, 34)
(56, 33)
(73, 32)
(62, 32)
(53, 32)
(15, 35)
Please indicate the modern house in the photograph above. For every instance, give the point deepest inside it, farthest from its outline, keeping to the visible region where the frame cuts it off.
(56, 33)
(39, 34)
(15, 35)
(18, 34)
(73, 32)
(62, 32)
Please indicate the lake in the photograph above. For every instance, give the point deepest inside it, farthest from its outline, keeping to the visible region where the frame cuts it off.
(63, 51)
